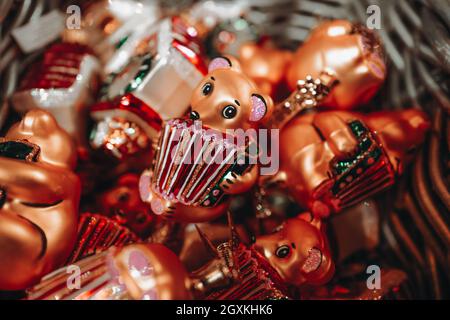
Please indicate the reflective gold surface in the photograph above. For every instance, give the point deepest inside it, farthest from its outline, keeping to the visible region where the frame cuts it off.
(230, 87)
(123, 204)
(352, 53)
(38, 219)
(298, 251)
(265, 64)
(152, 271)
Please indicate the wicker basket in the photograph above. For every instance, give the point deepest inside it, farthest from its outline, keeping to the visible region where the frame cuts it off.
(416, 227)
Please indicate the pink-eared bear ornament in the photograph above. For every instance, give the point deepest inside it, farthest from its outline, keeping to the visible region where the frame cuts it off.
(200, 161)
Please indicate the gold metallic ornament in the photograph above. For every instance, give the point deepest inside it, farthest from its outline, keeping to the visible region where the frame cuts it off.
(265, 64)
(123, 204)
(227, 85)
(40, 195)
(138, 271)
(153, 272)
(194, 253)
(309, 94)
(351, 53)
(298, 250)
(342, 157)
(225, 99)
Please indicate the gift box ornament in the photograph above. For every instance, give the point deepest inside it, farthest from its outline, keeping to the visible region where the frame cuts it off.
(114, 29)
(151, 88)
(63, 82)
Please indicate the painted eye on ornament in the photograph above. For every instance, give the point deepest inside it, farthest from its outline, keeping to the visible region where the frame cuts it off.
(141, 218)
(229, 112)
(120, 213)
(41, 205)
(207, 89)
(124, 197)
(411, 150)
(283, 251)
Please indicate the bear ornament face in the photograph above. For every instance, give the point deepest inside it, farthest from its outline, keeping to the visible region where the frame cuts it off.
(123, 204)
(298, 250)
(226, 103)
(39, 197)
(228, 99)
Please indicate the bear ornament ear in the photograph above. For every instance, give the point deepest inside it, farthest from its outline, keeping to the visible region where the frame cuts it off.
(314, 221)
(262, 106)
(224, 62)
(219, 63)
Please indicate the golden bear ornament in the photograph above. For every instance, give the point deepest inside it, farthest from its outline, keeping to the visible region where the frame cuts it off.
(39, 196)
(344, 157)
(198, 161)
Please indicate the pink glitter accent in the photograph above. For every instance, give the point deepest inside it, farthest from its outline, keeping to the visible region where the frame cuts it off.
(138, 261)
(313, 261)
(379, 72)
(218, 63)
(144, 186)
(157, 206)
(258, 109)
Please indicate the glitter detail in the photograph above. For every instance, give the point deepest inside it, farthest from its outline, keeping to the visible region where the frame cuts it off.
(309, 94)
(191, 163)
(97, 233)
(157, 206)
(314, 260)
(219, 63)
(120, 137)
(258, 108)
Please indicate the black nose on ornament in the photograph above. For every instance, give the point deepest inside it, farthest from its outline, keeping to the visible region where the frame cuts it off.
(194, 115)
(2, 197)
